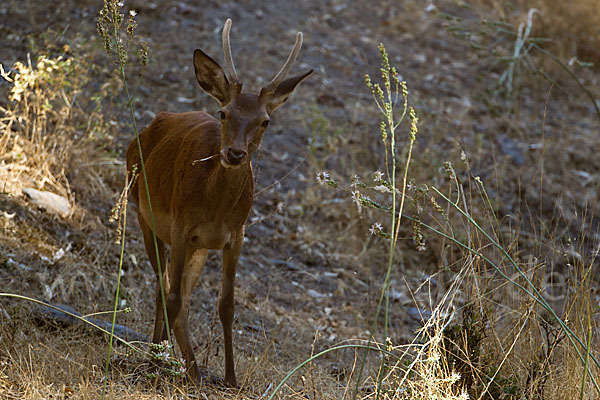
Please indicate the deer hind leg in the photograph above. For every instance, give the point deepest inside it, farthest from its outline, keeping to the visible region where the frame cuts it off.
(231, 255)
(194, 264)
(160, 333)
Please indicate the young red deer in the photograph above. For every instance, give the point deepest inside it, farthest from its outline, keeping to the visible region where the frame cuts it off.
(201, 189)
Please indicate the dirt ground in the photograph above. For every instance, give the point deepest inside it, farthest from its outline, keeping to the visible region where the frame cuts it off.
(310, 275)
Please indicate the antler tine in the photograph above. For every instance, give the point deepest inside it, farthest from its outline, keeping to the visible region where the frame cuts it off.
(288, 64)
(227, 52)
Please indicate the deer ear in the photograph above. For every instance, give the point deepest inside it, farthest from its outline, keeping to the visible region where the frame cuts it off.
(211, 77)
(284, 90)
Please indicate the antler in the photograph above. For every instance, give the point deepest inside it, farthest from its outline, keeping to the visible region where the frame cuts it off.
(271, 86)
(227, 52)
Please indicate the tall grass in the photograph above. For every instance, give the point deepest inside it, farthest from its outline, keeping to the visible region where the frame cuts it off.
(117, 39)
(488, 318)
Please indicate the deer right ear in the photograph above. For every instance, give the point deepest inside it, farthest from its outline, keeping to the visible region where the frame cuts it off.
(211, 77)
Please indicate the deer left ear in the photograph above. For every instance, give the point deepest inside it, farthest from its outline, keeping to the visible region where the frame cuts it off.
(284, 90)
(211, 77)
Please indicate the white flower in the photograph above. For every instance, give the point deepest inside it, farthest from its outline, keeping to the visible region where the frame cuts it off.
(182, 369)
(165, 344)
(133, 13)
(435, 357)
(322, 177)
(375, 229)
(378, 176)
(455, 377)
(354, 181)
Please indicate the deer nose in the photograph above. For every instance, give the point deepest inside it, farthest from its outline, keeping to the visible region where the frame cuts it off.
(235, 156)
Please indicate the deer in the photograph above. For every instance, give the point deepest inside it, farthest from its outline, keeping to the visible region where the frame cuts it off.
(200, 187)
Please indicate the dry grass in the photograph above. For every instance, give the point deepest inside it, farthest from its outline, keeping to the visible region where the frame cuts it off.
(50, 125)
(573, 26)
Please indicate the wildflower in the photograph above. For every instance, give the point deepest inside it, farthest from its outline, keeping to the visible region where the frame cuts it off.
(414, 120)
(356, 198)
(165, 344)
(133, 13)
(404, 89)
(434, 357)
(383, 130)
(454, 377)
(143, 52)
(378, 176)
(463, 156)
(354, 181)
(181, 370)
(375, 229)
(322, 177)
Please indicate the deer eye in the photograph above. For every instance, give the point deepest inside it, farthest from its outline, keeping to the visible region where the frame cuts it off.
(222, 115)
(265, 123)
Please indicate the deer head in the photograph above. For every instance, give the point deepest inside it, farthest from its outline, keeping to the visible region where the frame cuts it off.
(244, 117)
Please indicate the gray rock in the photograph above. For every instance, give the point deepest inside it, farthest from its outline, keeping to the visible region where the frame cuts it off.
(50, 202)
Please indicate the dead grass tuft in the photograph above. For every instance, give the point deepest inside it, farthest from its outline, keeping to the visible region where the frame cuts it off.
(573, 26)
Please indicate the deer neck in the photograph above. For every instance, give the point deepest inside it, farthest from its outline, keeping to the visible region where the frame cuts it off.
(231, 183)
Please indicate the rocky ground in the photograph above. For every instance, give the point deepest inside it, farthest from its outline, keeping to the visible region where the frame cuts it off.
(310, 274)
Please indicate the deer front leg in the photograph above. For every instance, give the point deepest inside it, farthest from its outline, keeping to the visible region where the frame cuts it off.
(231, 255)
(194, 264)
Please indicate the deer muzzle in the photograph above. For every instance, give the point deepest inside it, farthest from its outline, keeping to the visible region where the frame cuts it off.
(231, 157)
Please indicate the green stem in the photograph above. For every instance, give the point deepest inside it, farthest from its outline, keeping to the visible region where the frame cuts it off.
(137, 137)
(587, 353)
(114, 315)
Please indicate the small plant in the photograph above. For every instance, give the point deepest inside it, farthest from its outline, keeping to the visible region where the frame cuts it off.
(36, 131)
(163, 353)
(324, 138)
(386, 95)
(515, 51)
